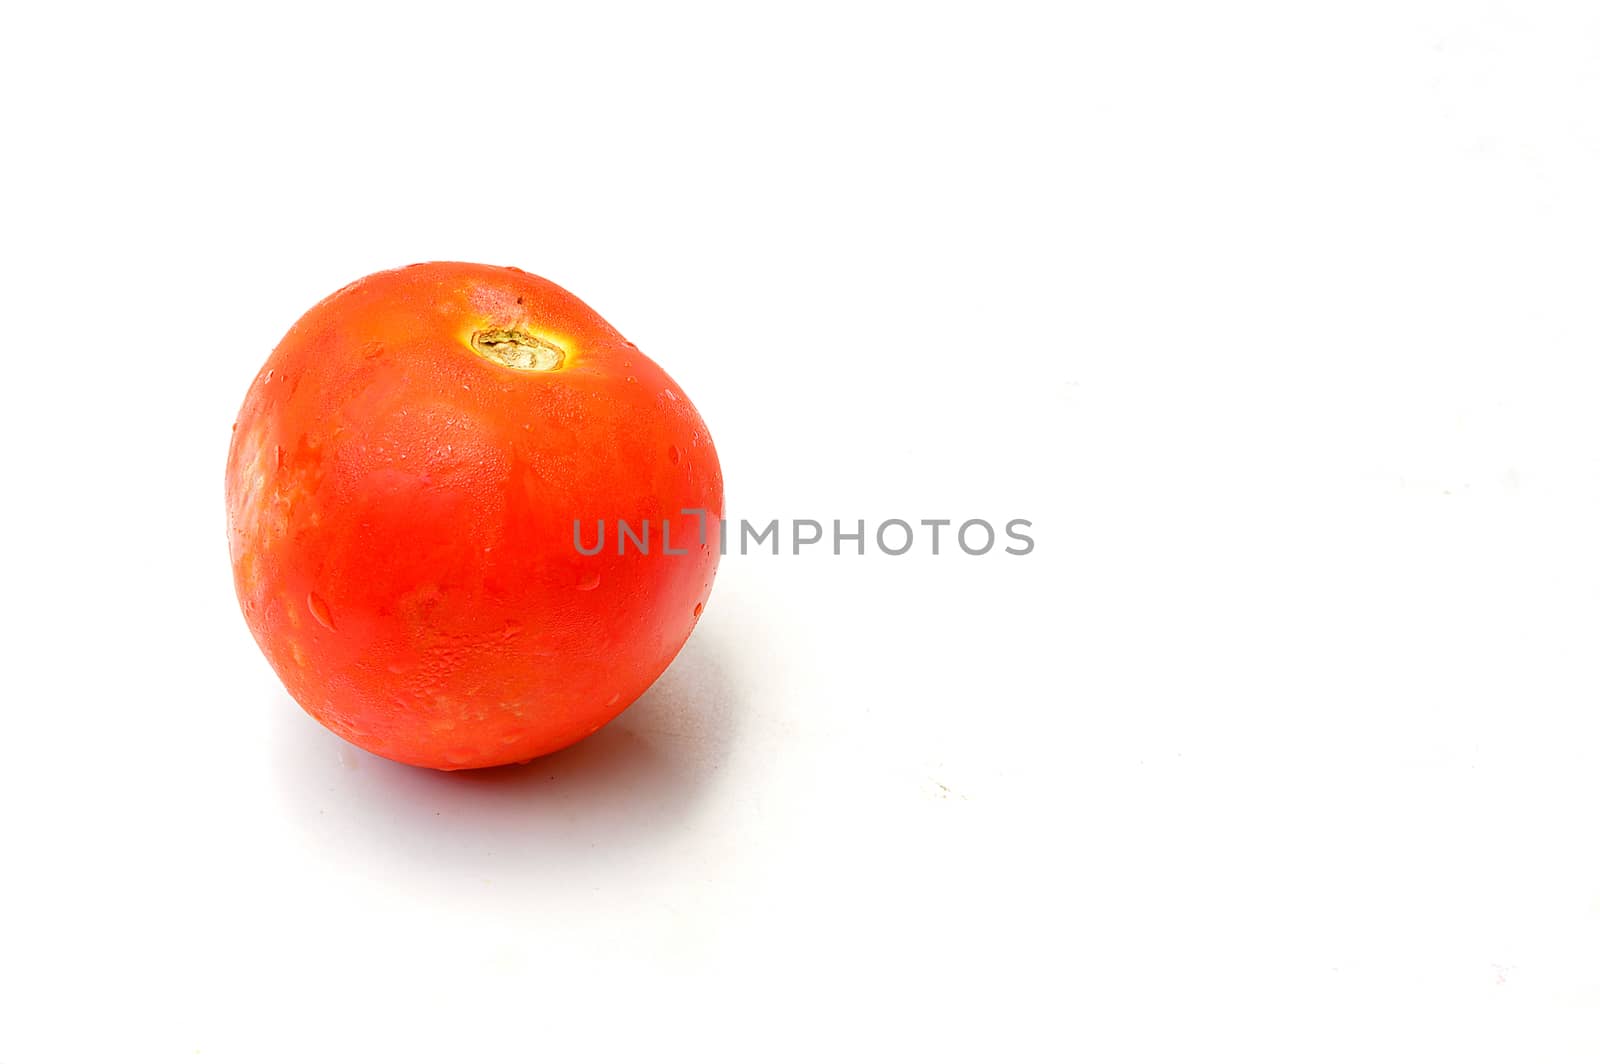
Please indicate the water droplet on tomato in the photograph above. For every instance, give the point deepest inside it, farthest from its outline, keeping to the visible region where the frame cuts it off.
(319, 610)
(589, 582)
(614, 699)
(698, 607)
(672, 455)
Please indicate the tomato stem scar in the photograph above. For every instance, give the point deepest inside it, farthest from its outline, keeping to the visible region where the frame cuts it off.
(517, 350)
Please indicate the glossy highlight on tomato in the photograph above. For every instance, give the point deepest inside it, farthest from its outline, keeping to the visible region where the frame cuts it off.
(402, 487)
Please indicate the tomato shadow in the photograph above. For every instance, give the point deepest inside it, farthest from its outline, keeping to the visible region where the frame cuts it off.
(636, 785)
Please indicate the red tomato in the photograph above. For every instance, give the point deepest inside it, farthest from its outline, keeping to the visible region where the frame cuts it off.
(402, 488)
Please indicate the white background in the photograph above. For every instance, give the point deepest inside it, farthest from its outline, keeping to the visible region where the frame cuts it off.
(1279, 321)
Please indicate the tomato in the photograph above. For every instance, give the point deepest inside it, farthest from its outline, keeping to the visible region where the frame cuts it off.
(409, 484)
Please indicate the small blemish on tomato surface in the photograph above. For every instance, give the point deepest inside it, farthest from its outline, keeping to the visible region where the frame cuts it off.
(319, 610)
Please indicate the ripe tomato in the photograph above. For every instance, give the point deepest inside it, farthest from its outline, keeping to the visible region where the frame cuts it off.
(402, 487)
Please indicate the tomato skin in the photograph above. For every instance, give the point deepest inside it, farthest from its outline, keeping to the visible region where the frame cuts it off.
(401, 517)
